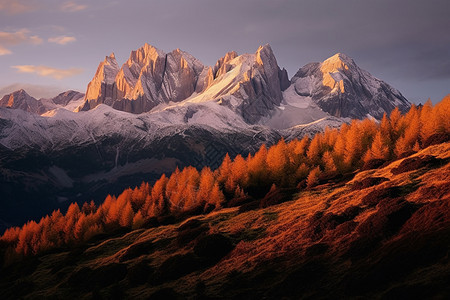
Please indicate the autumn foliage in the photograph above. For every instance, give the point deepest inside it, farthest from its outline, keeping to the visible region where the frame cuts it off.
(333, 152)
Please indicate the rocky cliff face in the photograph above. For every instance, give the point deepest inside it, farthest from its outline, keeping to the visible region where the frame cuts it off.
(263, 87)
(66, 97)
(342, 89)
(151, 77)
(102, 88)
(148, 78)
(249, 84)
(21, 100)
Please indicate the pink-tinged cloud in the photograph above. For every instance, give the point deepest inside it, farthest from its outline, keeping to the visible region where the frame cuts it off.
(13, 7)
(62, 40)
(8, 39)
(45, 71)
(4, 51)
(72, 6)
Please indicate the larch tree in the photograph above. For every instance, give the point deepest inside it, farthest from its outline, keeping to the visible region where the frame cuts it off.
(314, 149)
(442, 110)
(302, 172)
(428, 121)
(205, 186)
(126, 216)
(216, 196)
(378, 149)
(257, 167)
(411, 133)
(328, 162)
(353, 147)
(159, 206)
(300, 147)
(239, 170)
(396, 123)
(172, 183)
(313, 177)
(71, 217)
(88, 207)
(138, 220)
(339, 152)
(277, 161)
(225, 169)
(385, 126)
(80, 227)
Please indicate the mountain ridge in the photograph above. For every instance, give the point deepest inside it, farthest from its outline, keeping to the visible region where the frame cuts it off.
(237, 105)
(20, 99)
(254, 81)
(251, 85)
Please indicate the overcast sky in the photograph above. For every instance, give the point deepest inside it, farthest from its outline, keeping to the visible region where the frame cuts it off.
(48, 46)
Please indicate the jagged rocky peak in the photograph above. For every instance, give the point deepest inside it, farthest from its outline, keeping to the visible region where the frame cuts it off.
(343, 89)
(102, 85)
(182, 73)
(145, 55)
(148, 78)
(266, 59)
(249, 84)
(339, 61)
(151, 77)
(109, 68)
(265, 85)
(65, 97)
(21, 100)
(222, 65)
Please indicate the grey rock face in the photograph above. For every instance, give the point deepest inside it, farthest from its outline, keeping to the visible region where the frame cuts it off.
(262, 86)
(66, 97)
(284, 79)
(250, 84)
(342, 89)
(151, 77)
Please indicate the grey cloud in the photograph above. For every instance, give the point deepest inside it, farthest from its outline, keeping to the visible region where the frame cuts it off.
(404, 42)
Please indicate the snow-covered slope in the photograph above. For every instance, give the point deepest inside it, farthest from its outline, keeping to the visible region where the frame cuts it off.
(159, 111)
(341, 88)
(61, 128)
(294, 110)
(252, 85)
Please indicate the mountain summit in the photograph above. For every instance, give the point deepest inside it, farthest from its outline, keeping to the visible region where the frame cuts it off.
(251, 85)
(151, 77)
(21, 100)
(148, 78)
(339, 87)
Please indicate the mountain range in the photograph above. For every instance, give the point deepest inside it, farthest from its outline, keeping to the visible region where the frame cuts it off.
(162, 110)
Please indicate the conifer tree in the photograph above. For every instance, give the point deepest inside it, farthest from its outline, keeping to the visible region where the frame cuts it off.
(313, 177)
(216, 197)
(328, 162)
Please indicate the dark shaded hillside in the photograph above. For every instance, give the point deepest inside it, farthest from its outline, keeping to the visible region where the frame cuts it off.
(268, 177)
(32, 185)
(383, 233)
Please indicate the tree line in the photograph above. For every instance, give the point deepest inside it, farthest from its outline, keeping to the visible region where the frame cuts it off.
(298, 163)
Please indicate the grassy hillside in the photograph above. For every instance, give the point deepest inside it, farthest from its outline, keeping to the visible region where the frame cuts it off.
(382, 232)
